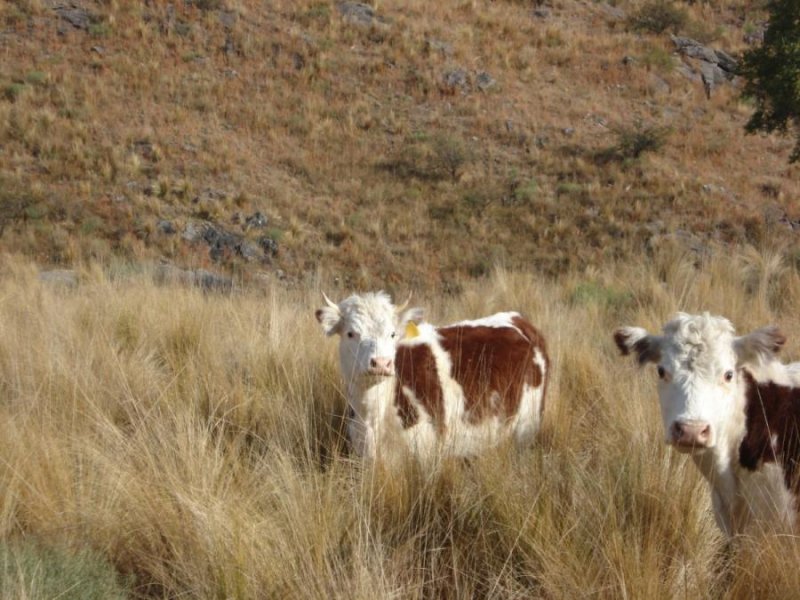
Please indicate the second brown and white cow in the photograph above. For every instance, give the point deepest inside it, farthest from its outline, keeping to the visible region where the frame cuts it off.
(729, 403)
(431, 390)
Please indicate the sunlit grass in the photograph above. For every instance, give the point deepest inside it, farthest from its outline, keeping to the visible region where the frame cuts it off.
(194, 444)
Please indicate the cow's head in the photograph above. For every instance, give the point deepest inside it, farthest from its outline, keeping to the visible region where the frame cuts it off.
(369, 327)
(698, 359)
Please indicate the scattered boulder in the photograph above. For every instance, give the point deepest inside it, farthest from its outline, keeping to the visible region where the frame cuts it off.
(456, 79)
(460, 80)
(268, 245)
(484, 81)
(223, 244)
(166, 227)
(716, 66)
(228, 18)
(257, 219)
(360, 15)
(78, 17)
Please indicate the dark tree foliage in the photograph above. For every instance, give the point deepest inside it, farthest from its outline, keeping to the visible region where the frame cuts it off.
(772, 74)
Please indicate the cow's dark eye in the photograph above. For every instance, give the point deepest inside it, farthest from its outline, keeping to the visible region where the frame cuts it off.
(728, 375)
(394, 334)
(351, 334)
(661, 372)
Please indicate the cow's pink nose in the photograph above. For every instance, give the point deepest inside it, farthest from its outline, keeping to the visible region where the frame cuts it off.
(696, 434)
(381, 364)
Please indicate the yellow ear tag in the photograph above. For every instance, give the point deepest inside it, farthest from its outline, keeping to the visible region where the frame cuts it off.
(412, 330)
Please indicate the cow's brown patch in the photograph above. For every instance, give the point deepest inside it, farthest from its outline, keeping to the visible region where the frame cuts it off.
(772, 410)
(416, 370)
(537, 342)
(492, 364)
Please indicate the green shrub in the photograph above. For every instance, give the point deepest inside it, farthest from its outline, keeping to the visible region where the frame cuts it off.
(635, 141)
(12, 91)
(449, 155)
(591, 292)
(31, 570)
(659, 16)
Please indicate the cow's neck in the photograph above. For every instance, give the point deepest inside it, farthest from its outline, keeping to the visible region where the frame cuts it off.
(370, 399)
(720, 467)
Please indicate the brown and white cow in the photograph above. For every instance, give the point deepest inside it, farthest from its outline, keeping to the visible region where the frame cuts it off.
(435, 390)
(729, 403)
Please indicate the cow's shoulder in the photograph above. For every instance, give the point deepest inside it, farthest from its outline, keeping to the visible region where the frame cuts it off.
(772, 422)
(418, 380)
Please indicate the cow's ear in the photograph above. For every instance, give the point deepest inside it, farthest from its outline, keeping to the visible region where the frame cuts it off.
(330, 318)
(759, 346)
(635, 340)
(414, 315)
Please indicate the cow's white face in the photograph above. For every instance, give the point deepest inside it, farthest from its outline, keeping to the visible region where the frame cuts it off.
(698, 360)
(369, 328)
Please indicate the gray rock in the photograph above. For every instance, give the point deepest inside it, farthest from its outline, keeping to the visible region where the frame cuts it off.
(716, 66)
(248, 250)
(694, 49)
(192, 232)
(269, 246)
(360, 14)
(257, 219)
(687, 71)
(658, 85)
(66, 278)
(726, 62)
(166, 227)
(77, 17)
(484, 81)
(228, 18)
(456, 78)
(541, 12)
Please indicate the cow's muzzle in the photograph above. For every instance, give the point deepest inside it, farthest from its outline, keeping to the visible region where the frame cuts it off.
(381, 367)
(690, 435)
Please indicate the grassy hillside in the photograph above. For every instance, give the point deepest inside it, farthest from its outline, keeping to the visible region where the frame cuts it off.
(419, 146)
(157, 442)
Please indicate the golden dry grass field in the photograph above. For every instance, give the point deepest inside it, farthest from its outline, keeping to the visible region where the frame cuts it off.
(156, 442)
(161, 442)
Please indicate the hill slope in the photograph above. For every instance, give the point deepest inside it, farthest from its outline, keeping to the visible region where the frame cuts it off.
(415, 143)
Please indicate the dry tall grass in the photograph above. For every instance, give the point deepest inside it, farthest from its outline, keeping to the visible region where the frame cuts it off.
(195, 444)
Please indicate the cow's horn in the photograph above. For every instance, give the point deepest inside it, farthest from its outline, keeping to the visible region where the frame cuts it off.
(405, 304)
(329, 301)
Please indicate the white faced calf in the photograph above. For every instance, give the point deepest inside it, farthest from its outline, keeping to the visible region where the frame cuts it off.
(728, 402)
(452, 389)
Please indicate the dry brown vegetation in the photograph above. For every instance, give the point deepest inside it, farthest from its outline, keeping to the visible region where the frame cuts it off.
(157, 442)
(368, 163)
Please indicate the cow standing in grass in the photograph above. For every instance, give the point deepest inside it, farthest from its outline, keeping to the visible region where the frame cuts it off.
(729, 403)
(436, 390)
